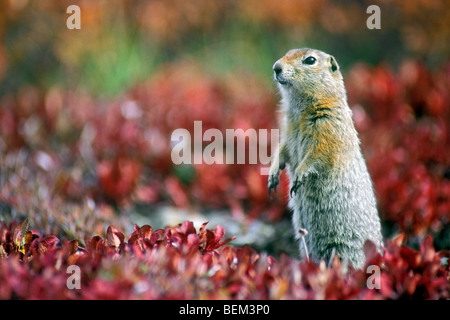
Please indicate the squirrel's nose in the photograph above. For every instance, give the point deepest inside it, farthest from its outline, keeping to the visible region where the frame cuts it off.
(277, 67)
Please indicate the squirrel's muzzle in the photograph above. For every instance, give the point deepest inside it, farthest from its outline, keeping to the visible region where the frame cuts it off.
(278, 72)
(277, 67)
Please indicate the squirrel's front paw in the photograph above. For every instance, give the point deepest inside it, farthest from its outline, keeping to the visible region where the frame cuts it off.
(295, 185)
(273, 180)
(299, 178)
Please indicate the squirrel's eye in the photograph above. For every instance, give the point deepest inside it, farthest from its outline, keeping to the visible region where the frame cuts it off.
(310, 60)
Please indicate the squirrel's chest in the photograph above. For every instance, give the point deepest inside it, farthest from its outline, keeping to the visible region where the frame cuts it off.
(296, 145)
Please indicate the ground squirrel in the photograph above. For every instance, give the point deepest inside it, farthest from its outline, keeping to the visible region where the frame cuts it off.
(331, 191)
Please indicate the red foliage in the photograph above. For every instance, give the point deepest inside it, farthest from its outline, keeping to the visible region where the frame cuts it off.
(181, 263)
(412, 274)
(118, 178)
(404, 122)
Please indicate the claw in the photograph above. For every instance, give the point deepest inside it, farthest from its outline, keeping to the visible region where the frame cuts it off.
(294, 188)
(270, 188)
(273, 182)
(292, 192)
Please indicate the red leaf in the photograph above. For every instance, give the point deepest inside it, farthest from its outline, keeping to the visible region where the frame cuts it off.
(19, 235)
(186, 228)
(145, 231)
(114, 238)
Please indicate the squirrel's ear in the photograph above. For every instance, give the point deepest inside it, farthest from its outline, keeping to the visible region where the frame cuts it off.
(333, 64)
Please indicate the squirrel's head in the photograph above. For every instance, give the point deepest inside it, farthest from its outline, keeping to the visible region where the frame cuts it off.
(309, 72)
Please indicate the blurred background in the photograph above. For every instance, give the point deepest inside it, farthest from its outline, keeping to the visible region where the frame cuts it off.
(86, 115)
